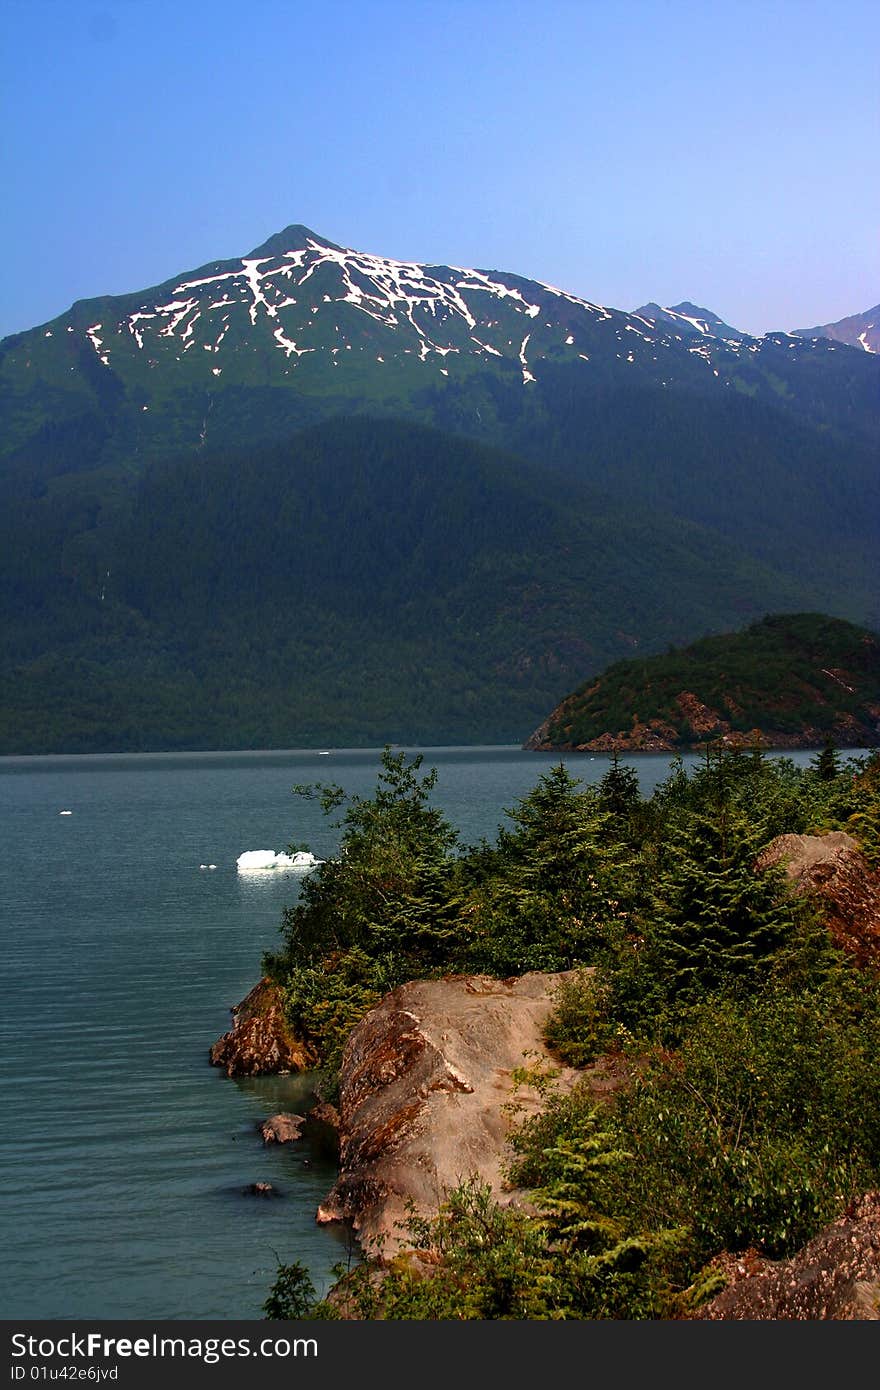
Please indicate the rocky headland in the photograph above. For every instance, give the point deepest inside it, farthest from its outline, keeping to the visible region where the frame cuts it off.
(792, 681)
(436, 1074)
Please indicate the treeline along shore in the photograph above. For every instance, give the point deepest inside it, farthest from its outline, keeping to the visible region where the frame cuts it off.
(641, 1033)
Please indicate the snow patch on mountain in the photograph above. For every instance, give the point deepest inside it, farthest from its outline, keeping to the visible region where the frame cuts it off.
(392, 293)
(307, 301)
(526, 374)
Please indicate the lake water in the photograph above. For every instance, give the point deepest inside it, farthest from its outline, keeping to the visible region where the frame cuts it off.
(125, 1155)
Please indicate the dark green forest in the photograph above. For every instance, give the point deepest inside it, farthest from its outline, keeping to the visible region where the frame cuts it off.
(365, 581)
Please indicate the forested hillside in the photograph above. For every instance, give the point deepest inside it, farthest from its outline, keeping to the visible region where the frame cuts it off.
(408, 586)
(793, 681)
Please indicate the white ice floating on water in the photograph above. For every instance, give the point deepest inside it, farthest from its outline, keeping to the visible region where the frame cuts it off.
(65, 813)
(259, 859)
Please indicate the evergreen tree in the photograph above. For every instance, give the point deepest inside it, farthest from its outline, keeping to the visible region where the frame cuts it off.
(387, 891)
(558, 841)
(557, 880)
(827, 764)
(619, 789)
(717, 923)
(380, 913)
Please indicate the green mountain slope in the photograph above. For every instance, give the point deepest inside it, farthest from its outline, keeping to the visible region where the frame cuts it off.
(793, 681)
(368, 580)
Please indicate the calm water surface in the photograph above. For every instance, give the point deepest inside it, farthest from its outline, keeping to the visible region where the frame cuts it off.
(125, 1154)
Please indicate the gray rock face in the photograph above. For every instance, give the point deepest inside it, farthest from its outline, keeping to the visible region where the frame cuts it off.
(282, 1128)
(427, 1078)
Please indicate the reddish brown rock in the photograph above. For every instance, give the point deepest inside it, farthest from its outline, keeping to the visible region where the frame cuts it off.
(426, 1085)
(834, 872)
(282, 1128)
(702, 721)
(836, 1276)
(653, 737)
(260, 1041)
(325, 1114)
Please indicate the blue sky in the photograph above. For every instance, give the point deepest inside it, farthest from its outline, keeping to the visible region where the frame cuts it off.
(726, 151)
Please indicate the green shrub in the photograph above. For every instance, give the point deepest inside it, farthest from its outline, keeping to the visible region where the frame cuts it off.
(764, 1123)
(580, 1026)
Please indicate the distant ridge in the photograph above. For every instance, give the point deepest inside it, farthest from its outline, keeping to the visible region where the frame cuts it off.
(858, 330)
(691, 319)
(790, 681)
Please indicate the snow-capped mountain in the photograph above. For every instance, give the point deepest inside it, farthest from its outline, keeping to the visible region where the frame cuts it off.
(301, 329)
(299, 307)
(181, 466)
(690, 319)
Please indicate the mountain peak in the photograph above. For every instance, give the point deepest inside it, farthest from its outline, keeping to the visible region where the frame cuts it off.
(690, 318)
(296, 237)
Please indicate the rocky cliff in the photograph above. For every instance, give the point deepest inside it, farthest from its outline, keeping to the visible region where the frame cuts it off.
(427, 1079)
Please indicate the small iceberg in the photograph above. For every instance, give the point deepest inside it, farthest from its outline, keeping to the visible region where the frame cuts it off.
(268, 859)
(65, 813)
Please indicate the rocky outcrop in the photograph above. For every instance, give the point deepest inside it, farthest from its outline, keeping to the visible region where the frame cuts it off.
(260, 1040)
(653, 737)
(282, 1128)
(698, 725)
(426, 1085)
(834, 872)
(836, 1276)
(658, 736)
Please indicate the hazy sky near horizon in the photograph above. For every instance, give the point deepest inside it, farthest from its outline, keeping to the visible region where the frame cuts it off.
(723, 151)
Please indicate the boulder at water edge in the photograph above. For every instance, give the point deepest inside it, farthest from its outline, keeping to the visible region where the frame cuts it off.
(260, 1041)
